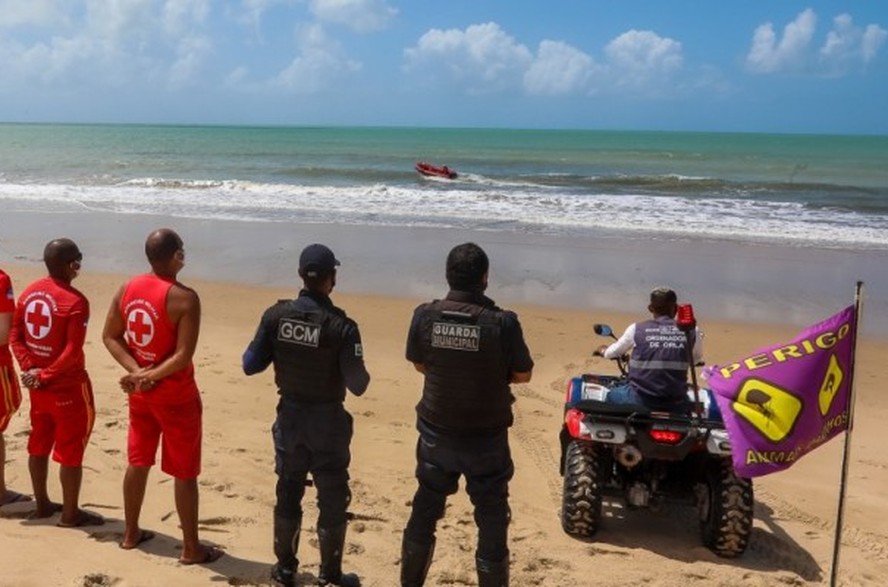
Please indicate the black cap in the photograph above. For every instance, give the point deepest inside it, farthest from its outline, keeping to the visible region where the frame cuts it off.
(317, 259)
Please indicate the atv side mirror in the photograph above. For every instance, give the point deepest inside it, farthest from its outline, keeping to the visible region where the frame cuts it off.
(603, 330)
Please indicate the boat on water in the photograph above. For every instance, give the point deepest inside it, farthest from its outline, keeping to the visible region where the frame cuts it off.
(435, 170)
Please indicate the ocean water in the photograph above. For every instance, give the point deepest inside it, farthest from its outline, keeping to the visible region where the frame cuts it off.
(821, 191)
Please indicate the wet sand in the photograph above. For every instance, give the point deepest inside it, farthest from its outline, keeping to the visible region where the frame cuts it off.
(744, 282)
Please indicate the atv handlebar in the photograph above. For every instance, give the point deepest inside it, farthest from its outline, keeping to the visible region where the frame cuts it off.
(606, 330)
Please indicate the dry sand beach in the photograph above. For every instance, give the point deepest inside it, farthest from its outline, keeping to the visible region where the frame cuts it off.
(792, 540)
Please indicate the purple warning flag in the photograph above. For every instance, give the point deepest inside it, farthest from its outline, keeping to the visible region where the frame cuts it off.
(781, 402)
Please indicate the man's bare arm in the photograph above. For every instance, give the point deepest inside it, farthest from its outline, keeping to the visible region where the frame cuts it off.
(114, 335)
(520, 377)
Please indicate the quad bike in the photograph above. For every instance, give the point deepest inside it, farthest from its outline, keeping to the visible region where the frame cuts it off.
(645, 458)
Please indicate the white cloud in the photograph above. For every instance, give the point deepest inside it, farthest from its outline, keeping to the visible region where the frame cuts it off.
(238, 78)
(180, 15)
(873, 38)
(559, 69)
(841, 39)
(359, 15)
(122, 22)
(15, 13)
(113, 43)
(768, 55)
(320, 63)
(482, 58)
(181, 18)
(191, 54)
(640, 58)
(845, 46)
(159, 44)
(46, 63)
(252, 11)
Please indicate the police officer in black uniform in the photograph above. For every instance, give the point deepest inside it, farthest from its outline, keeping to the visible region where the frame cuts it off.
(469, 350)
(317, 354)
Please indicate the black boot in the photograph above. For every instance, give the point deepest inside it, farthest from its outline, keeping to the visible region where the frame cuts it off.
(491, 574)
(415, 562)
(330, 543)
(286, 545)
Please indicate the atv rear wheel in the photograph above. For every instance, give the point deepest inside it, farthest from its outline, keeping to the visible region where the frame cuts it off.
(726, 510)
(581, 496)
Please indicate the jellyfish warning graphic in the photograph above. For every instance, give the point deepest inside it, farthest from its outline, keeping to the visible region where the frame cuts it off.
(782, 402)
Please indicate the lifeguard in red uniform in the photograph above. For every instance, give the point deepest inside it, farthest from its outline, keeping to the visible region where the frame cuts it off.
(151, 330)
(47, 338)
(10, 392)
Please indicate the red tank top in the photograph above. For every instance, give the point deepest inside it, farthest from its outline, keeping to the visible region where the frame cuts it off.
(7, 306)
(151, 336)
(45, 314)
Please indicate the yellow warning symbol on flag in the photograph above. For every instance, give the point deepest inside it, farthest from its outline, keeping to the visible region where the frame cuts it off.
(771, 410)
(832, 381)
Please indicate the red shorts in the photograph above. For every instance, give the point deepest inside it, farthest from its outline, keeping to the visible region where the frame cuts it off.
(180, 425)
(10, 395)
(61, 422)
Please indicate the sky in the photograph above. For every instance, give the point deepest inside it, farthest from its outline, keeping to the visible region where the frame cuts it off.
(727, 65)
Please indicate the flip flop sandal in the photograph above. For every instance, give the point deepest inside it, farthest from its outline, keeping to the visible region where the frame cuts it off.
(211, 554)
(16, 497)
(144, 536)
(85, 519)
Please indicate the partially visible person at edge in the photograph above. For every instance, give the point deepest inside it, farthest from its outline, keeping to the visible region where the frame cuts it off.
(317, 354)
(658, 365)
(469, 351)
(47, 338)
(10, 392)
(152, 329)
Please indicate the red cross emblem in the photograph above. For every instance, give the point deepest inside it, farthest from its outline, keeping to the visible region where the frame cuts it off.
(38, 319)
(139, 327)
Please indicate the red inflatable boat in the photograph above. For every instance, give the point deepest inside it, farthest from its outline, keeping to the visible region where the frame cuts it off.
(434, 170)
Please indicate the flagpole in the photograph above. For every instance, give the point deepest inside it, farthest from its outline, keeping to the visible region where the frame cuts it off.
(846, 454)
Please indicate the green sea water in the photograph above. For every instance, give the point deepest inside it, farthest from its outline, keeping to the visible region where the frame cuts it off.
(804, 189)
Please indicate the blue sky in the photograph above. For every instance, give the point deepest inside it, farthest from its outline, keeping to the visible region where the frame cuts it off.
(757, 66)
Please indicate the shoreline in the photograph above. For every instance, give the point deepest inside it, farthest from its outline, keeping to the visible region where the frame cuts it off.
(741, 282)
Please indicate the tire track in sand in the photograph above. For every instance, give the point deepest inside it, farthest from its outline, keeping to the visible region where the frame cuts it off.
(776, 551)
(868, 542)
(532, 442)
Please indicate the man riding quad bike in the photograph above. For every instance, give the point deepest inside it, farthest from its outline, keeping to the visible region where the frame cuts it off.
(646, 450)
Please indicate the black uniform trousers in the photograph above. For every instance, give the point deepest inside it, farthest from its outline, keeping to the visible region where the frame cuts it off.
(486, 463)
(312, 438)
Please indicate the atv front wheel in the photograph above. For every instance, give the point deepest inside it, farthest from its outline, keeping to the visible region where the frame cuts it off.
(726, 510)
(581, 496)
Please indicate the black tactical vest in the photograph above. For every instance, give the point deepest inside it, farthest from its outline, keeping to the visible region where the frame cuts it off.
(306, 346)
(466, 376)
